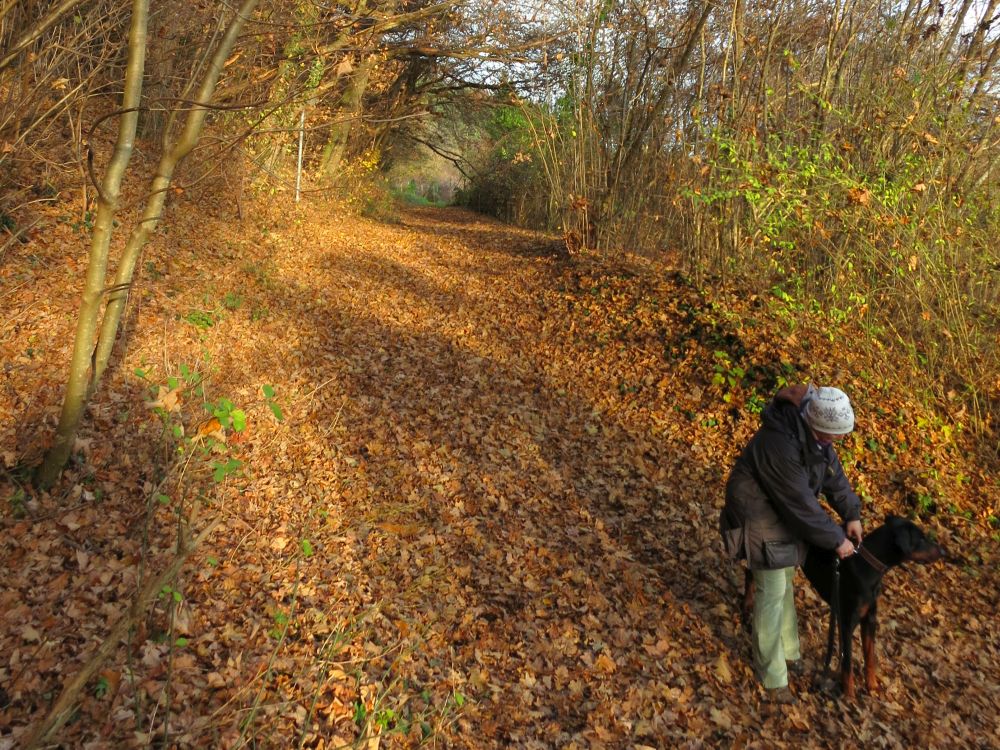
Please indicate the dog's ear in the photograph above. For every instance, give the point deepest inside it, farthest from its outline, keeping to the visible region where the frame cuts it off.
(908, 536)
(905, 537)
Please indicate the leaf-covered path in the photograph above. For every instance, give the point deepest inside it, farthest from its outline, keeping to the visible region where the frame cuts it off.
(488, 518)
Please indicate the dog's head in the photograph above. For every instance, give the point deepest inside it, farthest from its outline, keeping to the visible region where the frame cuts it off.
(912, 541)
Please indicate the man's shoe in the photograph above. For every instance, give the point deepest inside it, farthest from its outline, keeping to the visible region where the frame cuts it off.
(782, 696)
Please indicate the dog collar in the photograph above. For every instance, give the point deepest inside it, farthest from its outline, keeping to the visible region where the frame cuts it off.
(869, 558)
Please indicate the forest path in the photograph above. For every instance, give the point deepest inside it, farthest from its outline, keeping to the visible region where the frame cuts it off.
(489, 514)
(512, 517)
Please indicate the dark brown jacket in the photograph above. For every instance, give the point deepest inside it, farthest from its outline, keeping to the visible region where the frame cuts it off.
(772, 509)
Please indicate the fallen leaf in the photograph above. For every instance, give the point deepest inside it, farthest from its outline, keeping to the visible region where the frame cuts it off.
(167, 399)
(216, 680)
(722, 670)
(798, 719)
(401, 529)
(344, 67)
(605, 663)
(29, 634)
(721, 718)
(210, 428)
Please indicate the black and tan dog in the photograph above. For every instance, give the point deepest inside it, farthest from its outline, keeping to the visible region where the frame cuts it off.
(895, 542)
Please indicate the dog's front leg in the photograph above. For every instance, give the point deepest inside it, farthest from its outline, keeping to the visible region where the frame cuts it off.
(846, 670)
(869, 625)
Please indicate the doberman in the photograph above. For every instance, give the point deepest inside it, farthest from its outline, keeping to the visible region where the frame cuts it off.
(895, 542)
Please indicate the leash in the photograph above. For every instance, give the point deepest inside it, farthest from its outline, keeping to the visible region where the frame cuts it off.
(834, 616)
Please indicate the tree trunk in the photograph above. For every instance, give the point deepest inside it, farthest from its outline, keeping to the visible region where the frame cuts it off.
(158, 193)
(77, 384)
(348, 114)
(633, 145)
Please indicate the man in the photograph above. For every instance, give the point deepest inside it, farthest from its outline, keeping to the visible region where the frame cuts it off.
(772, 512)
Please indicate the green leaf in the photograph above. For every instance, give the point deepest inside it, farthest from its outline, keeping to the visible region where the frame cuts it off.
(221, 471)
(268, 391)
(163, 499)
(177, 595)
(459, 699)
(307, 548)
(385, 718)
(181, 642)
(239, 419)
(140, 372)
(276, 411)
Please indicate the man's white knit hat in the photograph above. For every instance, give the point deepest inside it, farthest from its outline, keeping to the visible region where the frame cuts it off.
(829, 410)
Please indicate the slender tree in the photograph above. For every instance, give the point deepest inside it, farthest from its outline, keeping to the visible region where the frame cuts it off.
(93, 290)
(158, 191)
(89, 363)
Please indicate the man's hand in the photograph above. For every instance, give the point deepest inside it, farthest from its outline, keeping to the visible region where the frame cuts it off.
(846, 549)
(854, 532)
